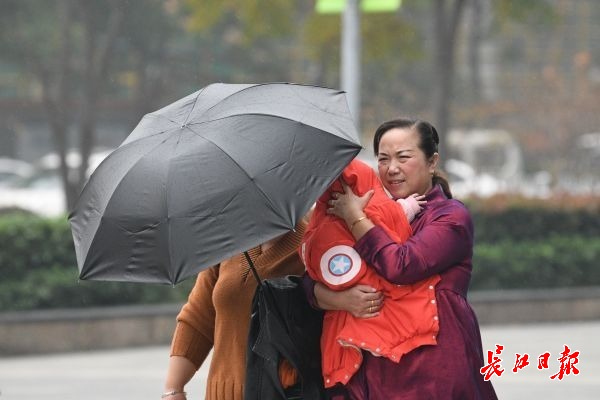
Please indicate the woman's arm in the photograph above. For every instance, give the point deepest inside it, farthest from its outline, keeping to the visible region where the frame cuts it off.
(179, 373)
(361, 301)
(444, 242)
(194, 334)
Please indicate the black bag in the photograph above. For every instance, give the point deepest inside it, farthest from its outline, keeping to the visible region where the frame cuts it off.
(283, 325)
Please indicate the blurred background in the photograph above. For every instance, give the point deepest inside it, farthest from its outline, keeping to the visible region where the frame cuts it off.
(513, 87)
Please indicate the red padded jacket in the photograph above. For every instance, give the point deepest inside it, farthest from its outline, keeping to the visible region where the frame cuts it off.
(406, 319)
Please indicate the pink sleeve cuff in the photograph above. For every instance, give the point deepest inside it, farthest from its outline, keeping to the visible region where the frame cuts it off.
(410, 206)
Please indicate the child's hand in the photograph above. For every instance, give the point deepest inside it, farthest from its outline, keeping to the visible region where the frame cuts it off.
(412, 205)
(420, 199)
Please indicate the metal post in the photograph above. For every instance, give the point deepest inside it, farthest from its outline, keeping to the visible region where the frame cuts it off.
(351, 51)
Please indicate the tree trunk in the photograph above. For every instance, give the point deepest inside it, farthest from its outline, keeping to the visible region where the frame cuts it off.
(446, 22)
(57, 103)
(97, 55)
(475, 38)
(149, 76)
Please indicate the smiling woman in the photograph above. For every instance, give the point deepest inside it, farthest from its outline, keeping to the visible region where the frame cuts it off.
(441, 243)
(407, 157)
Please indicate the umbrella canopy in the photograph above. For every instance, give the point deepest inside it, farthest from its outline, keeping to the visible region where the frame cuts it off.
(209, 176)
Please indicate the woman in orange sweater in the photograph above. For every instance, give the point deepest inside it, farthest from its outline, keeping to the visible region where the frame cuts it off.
(217, 316)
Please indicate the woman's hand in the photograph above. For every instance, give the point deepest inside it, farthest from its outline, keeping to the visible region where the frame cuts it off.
(347, 205)
(361, 301)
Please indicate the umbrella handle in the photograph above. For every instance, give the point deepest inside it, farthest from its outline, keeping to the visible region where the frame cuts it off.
(252, 268)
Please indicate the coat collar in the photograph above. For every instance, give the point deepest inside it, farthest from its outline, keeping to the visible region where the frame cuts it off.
(435, 194)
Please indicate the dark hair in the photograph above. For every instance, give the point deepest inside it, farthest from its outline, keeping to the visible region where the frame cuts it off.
(428, 144)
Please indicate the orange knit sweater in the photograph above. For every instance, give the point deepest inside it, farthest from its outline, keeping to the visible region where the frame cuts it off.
(217, 315)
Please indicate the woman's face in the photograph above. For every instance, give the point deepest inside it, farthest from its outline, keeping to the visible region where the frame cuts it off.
(403, 167)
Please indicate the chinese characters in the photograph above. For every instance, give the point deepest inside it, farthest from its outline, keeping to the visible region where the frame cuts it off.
(568, 360)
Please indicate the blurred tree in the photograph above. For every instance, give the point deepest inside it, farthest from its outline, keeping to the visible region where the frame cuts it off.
(72, 62)
(257, 18)
(479, 23)
(256, 40)
(65, 58)
(147, 53)
(245, 37)
(447, 18)
(545, 59)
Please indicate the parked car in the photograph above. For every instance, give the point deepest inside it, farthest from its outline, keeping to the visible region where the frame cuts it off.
(12, 170)
(41, 191)
(39, 194)
(465, 181)
(51, 161)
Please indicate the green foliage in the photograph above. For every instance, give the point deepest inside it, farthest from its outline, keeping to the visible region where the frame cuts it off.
(301, 36)
(382, 34)
(555, 261)
(534, 224)
(258, 18)
(533, 245)
(516, 247)
(534, 12)
(29, 243)
(66, 37)
(38, 270)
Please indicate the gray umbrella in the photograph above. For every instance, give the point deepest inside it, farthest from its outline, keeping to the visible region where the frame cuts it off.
(209, 176)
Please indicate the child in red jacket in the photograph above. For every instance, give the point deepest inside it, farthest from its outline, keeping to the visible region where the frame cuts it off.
(407, 317)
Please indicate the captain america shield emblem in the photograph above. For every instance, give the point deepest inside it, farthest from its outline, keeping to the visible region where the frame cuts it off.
(340, 264)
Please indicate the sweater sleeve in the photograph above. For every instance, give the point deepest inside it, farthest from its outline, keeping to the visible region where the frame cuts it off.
(443, 242)
(194, 333)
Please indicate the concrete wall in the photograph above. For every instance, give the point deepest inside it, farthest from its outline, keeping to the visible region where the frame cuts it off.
(536, 305)
(38, 332)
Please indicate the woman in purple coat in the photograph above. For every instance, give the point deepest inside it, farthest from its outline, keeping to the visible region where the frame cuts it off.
(442, 243)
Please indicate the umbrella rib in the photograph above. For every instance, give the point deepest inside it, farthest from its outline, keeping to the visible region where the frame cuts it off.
(258, 114)
(117, 184)
(231, 95)
(314, 105)
(288, 85)
(269, 201)
(177, 124)
(154, 134)
(194, 106)
(173, 275)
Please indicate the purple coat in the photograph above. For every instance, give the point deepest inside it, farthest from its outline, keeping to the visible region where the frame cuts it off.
(442, 243)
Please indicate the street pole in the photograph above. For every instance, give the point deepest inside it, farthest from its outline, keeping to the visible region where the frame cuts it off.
(350, 70)
(350, 63)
